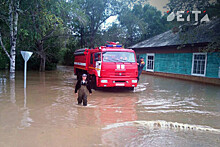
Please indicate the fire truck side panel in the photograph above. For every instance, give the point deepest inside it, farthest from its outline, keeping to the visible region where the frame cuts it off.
(91, 64)
(80, 63)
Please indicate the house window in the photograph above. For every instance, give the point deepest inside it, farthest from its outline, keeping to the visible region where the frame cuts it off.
(199, 64)
(150, 62)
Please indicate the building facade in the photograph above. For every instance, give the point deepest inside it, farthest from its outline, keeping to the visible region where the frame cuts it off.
(189, 63)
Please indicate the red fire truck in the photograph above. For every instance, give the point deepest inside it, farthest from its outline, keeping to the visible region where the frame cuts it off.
(107, 66)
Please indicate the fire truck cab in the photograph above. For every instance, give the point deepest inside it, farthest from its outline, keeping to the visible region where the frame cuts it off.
(107, 66)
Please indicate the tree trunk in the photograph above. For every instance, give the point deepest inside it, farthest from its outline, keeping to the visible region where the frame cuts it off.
(13, 34)
(13, 21)
(82, 37)
(42, 55)
(12, 65)
(42, 64)
(2, 45)
(92, 39)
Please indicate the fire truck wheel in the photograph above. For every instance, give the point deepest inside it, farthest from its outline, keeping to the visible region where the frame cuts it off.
(131, 88)
(94, 86)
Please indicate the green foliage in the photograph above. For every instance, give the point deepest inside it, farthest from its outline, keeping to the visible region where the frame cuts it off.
(178, 5)
(141, 22)
(44, 32)
(54, 29)
(114, 33)
(68, 53)
(4, 61)
(212, 8)
(96, 13)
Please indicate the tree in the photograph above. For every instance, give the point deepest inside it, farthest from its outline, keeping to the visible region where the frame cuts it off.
(214, 9)
(211, 8)
(44, 29)
(141, 22)
(113, 33)
(177, 5)
(96, 12)
(13, 12)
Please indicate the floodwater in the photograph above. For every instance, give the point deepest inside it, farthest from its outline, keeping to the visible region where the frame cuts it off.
(159, 112)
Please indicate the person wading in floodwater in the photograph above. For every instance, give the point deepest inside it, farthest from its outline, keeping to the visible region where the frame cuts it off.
(140, 66)
(83, 87)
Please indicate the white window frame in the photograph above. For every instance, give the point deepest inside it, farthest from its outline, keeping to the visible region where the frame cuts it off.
(150, 54)
(202, 75)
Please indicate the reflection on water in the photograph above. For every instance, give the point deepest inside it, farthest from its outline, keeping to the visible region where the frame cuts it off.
(26, 120)
(159, 112)
(3, 81)
(12, 90)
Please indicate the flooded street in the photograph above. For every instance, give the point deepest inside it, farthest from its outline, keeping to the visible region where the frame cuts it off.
(159, 112)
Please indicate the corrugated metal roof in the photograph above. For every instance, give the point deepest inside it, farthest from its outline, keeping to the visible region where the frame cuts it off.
(202, 33)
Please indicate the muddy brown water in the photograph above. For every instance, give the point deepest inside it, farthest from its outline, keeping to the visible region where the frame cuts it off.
(159, 112)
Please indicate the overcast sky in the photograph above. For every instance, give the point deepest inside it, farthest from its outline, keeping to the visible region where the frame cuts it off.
(159, 4)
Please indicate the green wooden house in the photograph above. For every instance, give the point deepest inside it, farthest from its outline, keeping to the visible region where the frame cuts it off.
(181, 54)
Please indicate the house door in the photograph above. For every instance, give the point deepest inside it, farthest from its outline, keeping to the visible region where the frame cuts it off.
(150, 62)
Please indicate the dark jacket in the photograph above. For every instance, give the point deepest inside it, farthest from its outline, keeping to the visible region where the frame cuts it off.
(79, 83)
(140, 66)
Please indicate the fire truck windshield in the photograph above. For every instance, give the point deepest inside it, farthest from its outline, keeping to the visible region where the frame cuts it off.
(118, 57)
